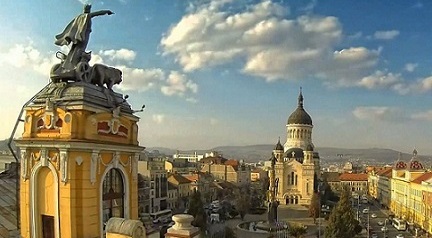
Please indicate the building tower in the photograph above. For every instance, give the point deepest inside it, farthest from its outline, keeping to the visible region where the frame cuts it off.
(299, 127)
(298, 171)
(79, 154)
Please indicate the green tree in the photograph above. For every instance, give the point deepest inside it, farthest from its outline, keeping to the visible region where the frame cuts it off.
(297, 231)
(242, 202)
(342, 222)
(196, 209)
(314, 207)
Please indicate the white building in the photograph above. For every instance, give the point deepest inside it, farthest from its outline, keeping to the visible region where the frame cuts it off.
(195, 157)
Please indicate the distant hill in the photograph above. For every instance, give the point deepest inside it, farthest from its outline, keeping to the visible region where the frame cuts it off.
(255, 153)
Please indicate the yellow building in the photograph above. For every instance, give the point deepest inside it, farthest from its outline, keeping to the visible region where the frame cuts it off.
(402, 198)
(79, 154)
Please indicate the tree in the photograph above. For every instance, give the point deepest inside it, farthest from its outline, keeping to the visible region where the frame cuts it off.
(314, 207)
(297, 231)
(242, 202)
(196, 209)
(342, 222)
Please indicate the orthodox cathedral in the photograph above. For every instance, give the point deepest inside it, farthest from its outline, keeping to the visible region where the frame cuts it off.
(297, 166)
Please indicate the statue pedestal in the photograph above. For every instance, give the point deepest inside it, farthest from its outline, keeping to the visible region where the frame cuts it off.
(182, 227)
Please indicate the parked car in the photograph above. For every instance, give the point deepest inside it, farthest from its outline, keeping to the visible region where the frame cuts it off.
(366, 211)
(374, 215)
(400, 236)
(384, 229)
(374, 235)
(380, 223)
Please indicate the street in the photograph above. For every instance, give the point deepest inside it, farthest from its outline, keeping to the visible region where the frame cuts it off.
(373, 222)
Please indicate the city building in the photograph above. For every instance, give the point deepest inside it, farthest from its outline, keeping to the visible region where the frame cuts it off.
(183, 187)
(195, 157)
(143, 195)
(204, 183)
(297, 167)
(355, 182)
(332, 178)
(154, 171)
(402, 175)
(227, 170)
(180, 166)
(258, 174)
(172, 197)
(384, 186)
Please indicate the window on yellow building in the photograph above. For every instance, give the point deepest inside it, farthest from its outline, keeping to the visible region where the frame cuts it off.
(113, 195)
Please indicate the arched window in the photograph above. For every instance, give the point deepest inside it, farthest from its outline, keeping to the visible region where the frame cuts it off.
(292, 178)
(113, 195)
(295, 180)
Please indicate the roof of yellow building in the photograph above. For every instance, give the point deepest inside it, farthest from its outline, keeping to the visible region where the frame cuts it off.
(423, 177)
(353, 177)
(387, 172)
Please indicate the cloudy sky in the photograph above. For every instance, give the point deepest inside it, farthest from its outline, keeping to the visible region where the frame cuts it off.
(228, 72)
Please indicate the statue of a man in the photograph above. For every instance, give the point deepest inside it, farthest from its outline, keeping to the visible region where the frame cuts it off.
(77, 33)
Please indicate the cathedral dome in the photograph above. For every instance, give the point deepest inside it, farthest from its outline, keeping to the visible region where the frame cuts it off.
(309, 147)
(300, 116)
(295, 153)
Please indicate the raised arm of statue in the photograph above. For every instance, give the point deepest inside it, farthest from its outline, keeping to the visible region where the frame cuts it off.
(101, 13)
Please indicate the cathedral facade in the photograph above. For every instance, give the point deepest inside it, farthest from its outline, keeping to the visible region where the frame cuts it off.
(297, 168)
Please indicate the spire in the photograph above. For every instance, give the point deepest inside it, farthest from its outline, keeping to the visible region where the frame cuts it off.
(300, 99)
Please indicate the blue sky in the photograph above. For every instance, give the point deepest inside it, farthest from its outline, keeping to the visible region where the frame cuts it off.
(228, 72)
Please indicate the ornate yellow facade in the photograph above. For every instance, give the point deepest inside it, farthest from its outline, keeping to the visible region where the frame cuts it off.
(79, 154)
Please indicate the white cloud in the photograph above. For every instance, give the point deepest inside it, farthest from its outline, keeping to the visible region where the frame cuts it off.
(410, 67)
(158, 118)
(29, 57)
(386, 35)
(137, 79)
(427, 116)
(178, 84)
(265, 43)
(378, 113)
(380, 79)
(119, 55)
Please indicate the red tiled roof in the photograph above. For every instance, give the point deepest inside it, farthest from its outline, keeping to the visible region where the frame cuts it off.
(353, 177)
(423, 177)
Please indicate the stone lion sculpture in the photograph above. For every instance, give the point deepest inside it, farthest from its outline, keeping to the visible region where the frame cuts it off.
(102, 74)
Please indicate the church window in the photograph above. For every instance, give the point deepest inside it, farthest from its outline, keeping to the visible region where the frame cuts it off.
(307, 187)
(292, 178)
(289, 178)
(113, 195)
(295, 180)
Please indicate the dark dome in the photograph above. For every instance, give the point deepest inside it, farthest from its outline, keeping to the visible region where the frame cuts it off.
(295, 153)
(278, 146)
(309, 147)
(300, 116)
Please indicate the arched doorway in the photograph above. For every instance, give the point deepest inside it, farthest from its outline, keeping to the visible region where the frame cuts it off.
(113, 192)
